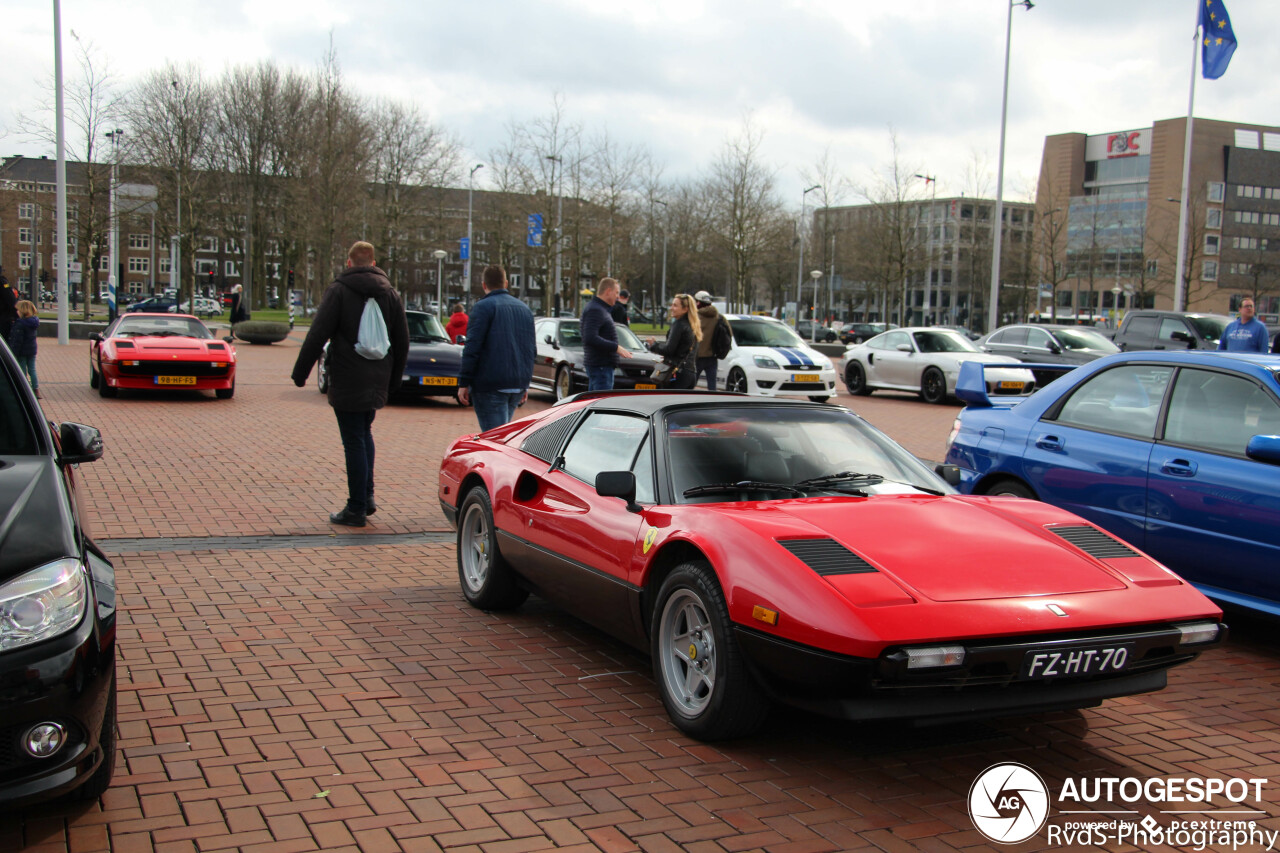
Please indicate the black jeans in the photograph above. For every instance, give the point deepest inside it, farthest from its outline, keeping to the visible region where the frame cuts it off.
(708, 366)
(356, 429)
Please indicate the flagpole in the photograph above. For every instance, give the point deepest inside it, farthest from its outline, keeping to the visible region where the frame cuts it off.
(1179, 290)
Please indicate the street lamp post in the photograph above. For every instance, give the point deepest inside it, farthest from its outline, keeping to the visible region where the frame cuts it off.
(816, 275)
(470, 248)
(993, 310)
(800, 265)
(440, 255)
(553, 298)
(113, 246)
(928, 276)
(664, 249)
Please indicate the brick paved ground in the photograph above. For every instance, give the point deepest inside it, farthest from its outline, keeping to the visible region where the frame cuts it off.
(286, 686)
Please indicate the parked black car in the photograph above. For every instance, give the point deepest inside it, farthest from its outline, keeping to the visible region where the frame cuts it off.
(559, 366)
(1039, 343)
(856, 333)
(156, 304)
(805, 329)
(57, 610)
(431, 369)
(1144, 329)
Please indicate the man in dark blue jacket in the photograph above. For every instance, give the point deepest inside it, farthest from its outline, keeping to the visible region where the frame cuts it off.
(497, 360)
(600, 348)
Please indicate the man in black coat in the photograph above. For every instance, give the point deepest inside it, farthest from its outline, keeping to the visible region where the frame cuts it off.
(619, 309)
(358, 386)
(600, 347)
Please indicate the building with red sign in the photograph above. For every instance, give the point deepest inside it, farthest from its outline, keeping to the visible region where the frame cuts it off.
(1108, 209)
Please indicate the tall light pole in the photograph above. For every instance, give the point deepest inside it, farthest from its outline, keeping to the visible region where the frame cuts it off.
(470, 248)
(113, 247)
(664, 249)
(440, 255)
(993, 309)
(175, 267)
(816, 275)
(928, 276)
(800, 266)
(60, 181)
(552, 299)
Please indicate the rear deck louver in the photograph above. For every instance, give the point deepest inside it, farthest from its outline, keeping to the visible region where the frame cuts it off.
(1094, 542)
(827, 556)
(545, 441)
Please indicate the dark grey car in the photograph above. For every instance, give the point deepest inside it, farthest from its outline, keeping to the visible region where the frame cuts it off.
(1048, 344)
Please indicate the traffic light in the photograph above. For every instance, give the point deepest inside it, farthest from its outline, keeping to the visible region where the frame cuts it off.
(290, 279)
(211, 281)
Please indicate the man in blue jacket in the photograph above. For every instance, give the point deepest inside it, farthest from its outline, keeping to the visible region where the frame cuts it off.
(497, 360)
(600, 347)
(1245, 333)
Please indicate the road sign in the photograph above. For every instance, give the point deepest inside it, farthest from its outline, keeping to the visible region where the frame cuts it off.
(535, 230)
(464, 250)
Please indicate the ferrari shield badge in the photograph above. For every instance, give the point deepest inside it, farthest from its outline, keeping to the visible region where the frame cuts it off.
(650, 536)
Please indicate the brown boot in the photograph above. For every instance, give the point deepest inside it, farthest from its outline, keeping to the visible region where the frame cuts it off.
(37, 393)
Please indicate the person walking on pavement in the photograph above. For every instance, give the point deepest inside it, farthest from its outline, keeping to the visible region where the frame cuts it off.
(621, 307)
(22, 340)
(708, 317)
(497, 359)
(600, 347)
(358, 386)
(1246, 333)
(680, 349)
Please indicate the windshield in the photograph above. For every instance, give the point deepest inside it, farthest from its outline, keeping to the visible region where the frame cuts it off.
(1081, 339)
(425, 328)
(785, 446)
(764, 333)
(1209, 327)
(628, 340)
(185, 327)
(943, 341)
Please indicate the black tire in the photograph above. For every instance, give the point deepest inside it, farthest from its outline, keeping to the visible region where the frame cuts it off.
(564, 383)
(101, 778)
(94, 378)
(701, 672)
(818, 398)
(1012, 489)
(737, 381)
(855, 379)
(933, 386)
(487, 580)
(226, 393)
(104, 388)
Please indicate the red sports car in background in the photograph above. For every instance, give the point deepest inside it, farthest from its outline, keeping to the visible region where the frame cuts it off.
(766, 550)
(161, 352)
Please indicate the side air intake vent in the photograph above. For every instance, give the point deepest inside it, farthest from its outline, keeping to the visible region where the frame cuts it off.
(545, 441)
(1094, 542)
(827, 556)
(124, 344)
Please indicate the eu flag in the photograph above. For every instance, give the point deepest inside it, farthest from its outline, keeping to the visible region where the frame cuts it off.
(1219, 42)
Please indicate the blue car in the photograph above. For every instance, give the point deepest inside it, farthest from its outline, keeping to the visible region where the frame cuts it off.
(1178, 453)
(431, 370)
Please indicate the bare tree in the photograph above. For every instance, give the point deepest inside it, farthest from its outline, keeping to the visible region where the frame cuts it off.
(889, 241)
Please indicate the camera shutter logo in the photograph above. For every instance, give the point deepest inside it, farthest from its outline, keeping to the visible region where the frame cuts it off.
(1008, 803)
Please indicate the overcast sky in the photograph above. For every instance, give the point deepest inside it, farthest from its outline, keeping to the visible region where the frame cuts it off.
(677, 76)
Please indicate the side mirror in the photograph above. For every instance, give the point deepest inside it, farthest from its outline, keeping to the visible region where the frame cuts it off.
(618, 484)
(95, 336)
(950, 473)
(904, 348)
(229, 339)
(1182, 336)
(1264, 448)
(459, 339)
(547, 339)
(1054, 348)
(80, 443)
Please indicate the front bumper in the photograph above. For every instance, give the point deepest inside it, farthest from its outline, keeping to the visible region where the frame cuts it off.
(778, 383)
(65, 680)
(986, 685)
(413, 386)
(145, 378)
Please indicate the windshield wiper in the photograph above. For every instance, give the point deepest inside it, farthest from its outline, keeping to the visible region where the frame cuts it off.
(742, 486)
(853, 476)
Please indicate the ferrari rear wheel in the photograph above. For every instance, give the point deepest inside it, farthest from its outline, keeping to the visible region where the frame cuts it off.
(488, 582)
(564, 382)
(933, 386)
(700, 670)
(855, 379)
(737, 381)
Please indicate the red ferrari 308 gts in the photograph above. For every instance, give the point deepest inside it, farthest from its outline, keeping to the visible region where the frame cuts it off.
(161, 352)
(767, 550)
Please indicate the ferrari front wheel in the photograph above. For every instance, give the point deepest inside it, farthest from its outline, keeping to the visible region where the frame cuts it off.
(93, 378)
(488, 582)
(700, 669)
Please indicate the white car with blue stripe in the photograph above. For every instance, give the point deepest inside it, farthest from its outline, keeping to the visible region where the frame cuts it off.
(769, 359)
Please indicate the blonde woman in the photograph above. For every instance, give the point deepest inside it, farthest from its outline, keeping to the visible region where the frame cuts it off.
(22, 340)
(680, 350)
